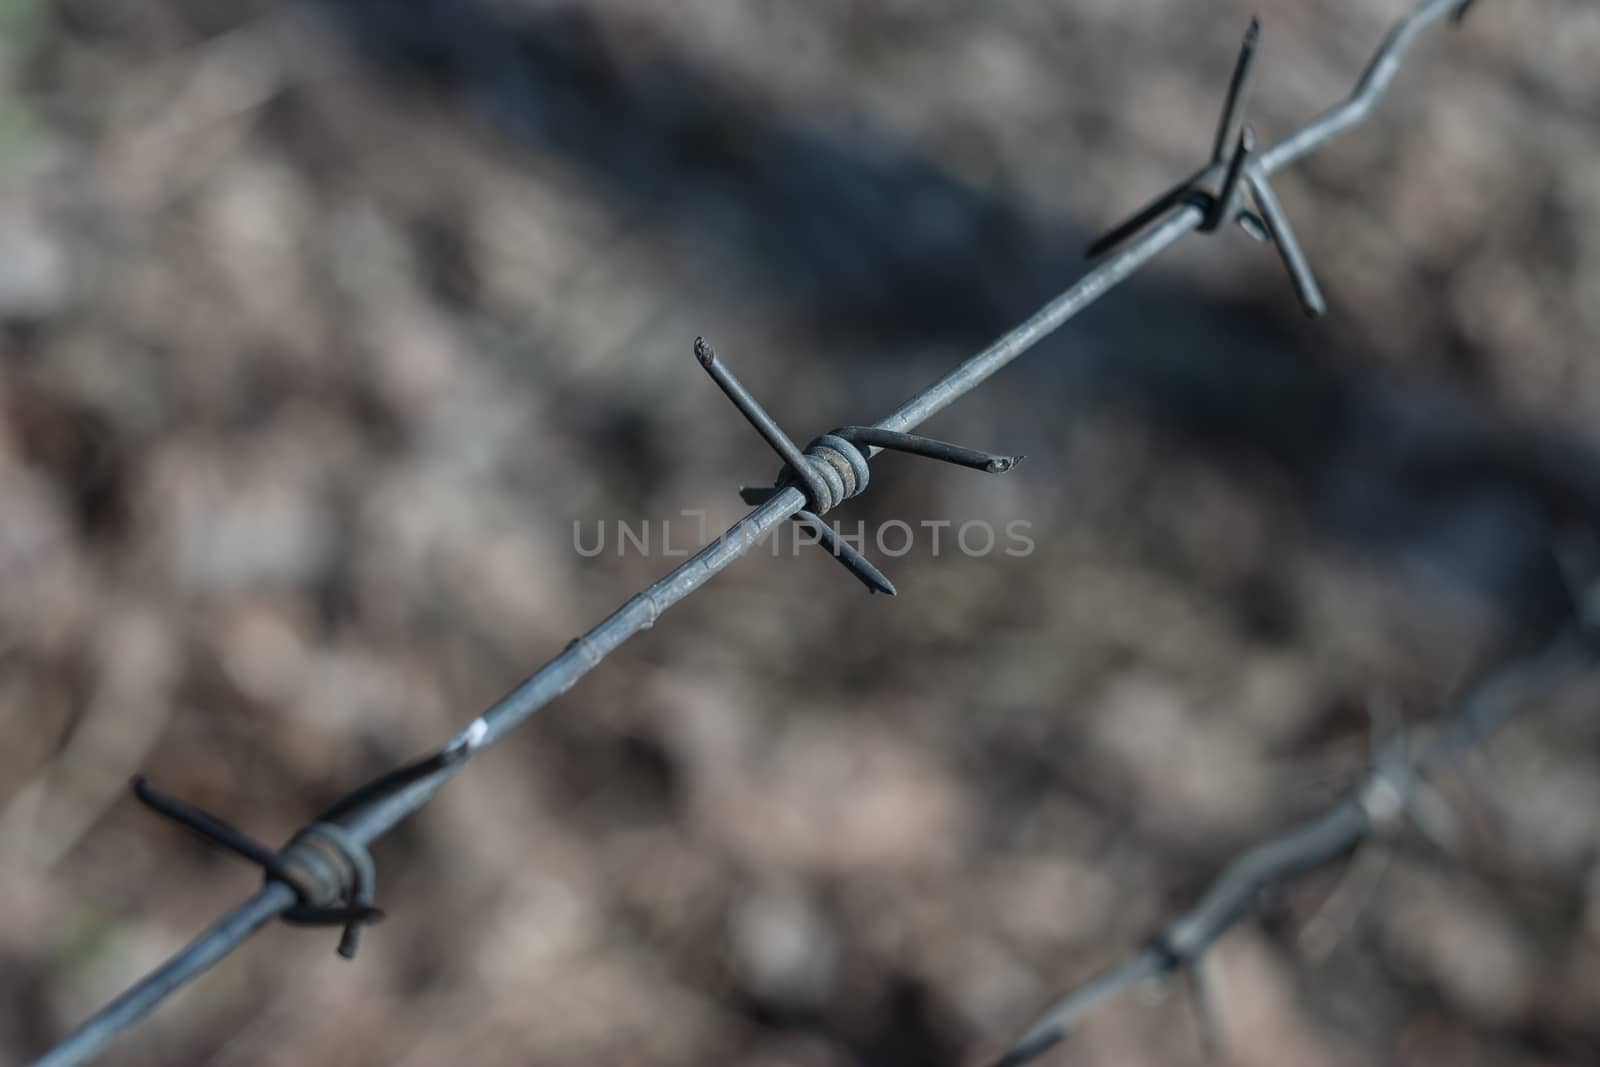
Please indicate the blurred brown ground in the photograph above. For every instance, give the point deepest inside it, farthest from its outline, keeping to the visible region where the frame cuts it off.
(324, 324)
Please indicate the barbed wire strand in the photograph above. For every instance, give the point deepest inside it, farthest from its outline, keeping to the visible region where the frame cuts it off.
(315, 878)
(1372, 807)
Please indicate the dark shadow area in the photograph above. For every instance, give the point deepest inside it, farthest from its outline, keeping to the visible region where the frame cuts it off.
(1415, 471)
(862, 236)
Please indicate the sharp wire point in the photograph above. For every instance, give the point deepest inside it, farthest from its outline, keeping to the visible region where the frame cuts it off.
(926, 447)
(764, 424)
(1233, 104)
(1228, 151)
(1294, 260)
(1252, 225)
(852, 560)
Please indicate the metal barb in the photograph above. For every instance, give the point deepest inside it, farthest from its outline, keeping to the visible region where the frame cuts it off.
(281, 866)
(1268, 222)
(764, 424)
(1238, 91)
(1252, 225)
(1294, 260)
(857, 564)
(392, 782)
(208, 826)
(1185, 192)
(1228, 194)
(1190, 190)
(928, 448)
(834, 467)
(821, 491)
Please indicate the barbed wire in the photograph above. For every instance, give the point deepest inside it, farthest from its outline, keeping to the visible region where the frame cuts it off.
(1395, 787)
(325, 874)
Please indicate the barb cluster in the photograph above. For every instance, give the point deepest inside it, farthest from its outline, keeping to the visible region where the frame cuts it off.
(833, 468)
(331, 873)
(325, 876)
(1236, 172)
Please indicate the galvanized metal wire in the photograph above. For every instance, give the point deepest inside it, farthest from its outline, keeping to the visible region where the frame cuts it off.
(325, 875)
(1370, 808)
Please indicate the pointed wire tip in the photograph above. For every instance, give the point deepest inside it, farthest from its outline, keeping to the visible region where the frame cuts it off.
(1001, 464)
(704, 352)
(1252, 36)
(874, 579)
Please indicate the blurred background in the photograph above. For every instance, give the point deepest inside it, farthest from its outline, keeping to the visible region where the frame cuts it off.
(323, 325)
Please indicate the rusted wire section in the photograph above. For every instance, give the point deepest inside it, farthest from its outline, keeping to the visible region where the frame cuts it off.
(324, 875)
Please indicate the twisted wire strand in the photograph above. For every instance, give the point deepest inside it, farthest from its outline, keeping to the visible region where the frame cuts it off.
(1369, 808)
(373, 810)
